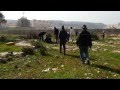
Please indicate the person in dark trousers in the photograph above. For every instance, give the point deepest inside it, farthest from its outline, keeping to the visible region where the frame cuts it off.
(68, 36)
(103, 34)
(84, 42)
(63, 39)
(41, 35)
(48, 38)
(76, 33)
(56, 32)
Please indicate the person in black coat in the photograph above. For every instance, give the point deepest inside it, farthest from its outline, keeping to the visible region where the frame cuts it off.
(103, 34)
(48, 38)
(84, 42)
(63, 39)
(41, 35)
(56, 32)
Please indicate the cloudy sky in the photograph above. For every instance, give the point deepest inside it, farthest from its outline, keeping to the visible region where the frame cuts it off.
(106, 17)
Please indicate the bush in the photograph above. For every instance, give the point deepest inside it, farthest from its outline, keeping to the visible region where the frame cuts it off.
(40, 47)
(27, 51)
(43, 50)
(94, 36)
(37, 44)
(3, 38)
(22, 37)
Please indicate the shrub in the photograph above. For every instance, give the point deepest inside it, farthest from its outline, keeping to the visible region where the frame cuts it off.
(22, 37)
(27, 51)
(3, 38)
(94, 36)
(40, 47)
(43, 50)
(37, 44)
(3, 60)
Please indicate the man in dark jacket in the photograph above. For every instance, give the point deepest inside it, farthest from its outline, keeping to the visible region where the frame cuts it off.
(41, 35)
(63, 39)
(56, 32)
(84, 42)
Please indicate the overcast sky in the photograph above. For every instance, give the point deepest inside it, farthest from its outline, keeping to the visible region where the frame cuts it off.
(106, 17)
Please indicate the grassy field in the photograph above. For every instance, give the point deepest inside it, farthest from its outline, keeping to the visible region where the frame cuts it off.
(104, 56)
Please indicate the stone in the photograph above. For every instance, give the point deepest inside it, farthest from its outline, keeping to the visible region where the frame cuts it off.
(10, 43)
(3, 60)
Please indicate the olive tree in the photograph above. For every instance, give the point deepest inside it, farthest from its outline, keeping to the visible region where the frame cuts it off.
(2, 19)
(23, 22)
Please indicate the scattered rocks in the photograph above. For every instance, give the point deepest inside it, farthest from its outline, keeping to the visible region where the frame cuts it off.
(105, 49)
(116, 51)
(111, 42)
(10, 43)
(55, 48)
(7, 54)
(98, 43)
(3, 60)
(94, 49)
(23, 43)
(54, 69)
(62, 65)
(46, 70)
(50, 69)
(105, 63)
(9, 59)
(3, 54)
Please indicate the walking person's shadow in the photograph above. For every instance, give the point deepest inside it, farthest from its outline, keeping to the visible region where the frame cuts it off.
(106, 68)
(99, 66)
(74, 56)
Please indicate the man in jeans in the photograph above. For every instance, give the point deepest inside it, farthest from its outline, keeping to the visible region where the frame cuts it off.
(84, 42)
(63, 36)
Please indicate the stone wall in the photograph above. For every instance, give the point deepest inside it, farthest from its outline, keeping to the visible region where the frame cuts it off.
(24, 31)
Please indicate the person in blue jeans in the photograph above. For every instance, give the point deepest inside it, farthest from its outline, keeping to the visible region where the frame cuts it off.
(84, 42)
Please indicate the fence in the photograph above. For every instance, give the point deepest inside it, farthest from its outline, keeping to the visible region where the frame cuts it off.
(25, 31)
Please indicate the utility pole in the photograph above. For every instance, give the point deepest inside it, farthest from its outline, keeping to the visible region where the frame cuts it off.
(23, 14)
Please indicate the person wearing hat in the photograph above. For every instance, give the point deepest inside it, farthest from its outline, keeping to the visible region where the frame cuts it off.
(84, 42)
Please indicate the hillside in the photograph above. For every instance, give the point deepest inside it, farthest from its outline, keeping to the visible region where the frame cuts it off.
(58, 23)
(79, 24)
(11, 23)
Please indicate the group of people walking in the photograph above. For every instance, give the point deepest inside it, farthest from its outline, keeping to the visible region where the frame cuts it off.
(83, 41)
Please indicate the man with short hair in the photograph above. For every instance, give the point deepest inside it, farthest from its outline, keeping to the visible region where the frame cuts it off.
(84, 42)
(41, 35)
(63, 39)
